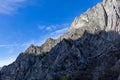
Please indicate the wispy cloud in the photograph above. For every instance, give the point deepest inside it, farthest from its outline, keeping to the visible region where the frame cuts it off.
(8, 45)
(15, 49)
(25, 45)
(55, 30)
(53, 27)
(47, 27)
(10, 6)
(58, 33)
(7, 60)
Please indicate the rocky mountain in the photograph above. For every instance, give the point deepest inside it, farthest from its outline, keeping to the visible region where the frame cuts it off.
(89, 50)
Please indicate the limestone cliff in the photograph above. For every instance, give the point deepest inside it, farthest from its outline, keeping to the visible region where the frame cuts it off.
(89, 50)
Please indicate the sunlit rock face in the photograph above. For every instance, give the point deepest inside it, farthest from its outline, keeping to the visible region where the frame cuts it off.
(104, 16)
(89, 50)
(37, 50)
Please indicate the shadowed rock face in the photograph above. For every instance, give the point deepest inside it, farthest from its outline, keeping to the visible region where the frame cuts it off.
(91, 57)
(90, 50)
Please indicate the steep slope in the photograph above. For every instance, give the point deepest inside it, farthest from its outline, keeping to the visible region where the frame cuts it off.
(89, 50)
(104, 16)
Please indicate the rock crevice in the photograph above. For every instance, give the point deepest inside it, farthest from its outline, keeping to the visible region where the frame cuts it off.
(89, 50)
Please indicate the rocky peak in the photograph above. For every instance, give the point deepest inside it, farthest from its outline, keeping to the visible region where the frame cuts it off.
(47, 46)
(33, 50)
(50, 41)
(78, 54)
(104, 16)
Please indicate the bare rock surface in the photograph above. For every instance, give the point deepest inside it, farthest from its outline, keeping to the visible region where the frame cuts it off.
(104, 16)
(89, 50)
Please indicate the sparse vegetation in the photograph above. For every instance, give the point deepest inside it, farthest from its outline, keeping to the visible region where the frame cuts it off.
(66, 77)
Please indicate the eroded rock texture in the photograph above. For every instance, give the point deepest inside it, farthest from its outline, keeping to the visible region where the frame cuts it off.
(90, 50)
(104, 16)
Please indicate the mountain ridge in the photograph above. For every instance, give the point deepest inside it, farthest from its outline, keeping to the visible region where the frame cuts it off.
(105, 13)
(89, 50)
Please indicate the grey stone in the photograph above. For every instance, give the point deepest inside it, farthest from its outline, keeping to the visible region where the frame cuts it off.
(89, 50)
(104, 16)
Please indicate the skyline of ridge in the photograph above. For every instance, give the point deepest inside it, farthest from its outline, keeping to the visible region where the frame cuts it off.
(26, 22)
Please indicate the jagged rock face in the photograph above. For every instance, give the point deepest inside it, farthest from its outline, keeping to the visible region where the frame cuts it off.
(90, 50)
(91, 57)
(41, 49)
(104, 16)
(0, 68)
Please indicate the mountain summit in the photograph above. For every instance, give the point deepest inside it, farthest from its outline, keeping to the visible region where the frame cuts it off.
(104, 16)
(89, 50)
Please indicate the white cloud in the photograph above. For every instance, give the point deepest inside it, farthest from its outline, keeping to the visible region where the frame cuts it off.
(56, 30)
(25, 45)
(10, 6)
(58, 33)
(15, 49)
(49, 28)
(8, 45)
(53, 27)
(46, 27)
(7, 61)
(41, 27)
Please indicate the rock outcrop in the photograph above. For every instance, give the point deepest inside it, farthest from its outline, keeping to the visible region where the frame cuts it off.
(104, 16)
(89, 50)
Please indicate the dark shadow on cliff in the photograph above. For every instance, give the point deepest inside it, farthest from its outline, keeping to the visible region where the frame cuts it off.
(90, 57)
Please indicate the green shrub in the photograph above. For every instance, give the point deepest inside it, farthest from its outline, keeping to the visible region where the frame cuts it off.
(66, 77)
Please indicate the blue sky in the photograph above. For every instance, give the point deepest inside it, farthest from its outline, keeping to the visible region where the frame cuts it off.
(25, 22)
